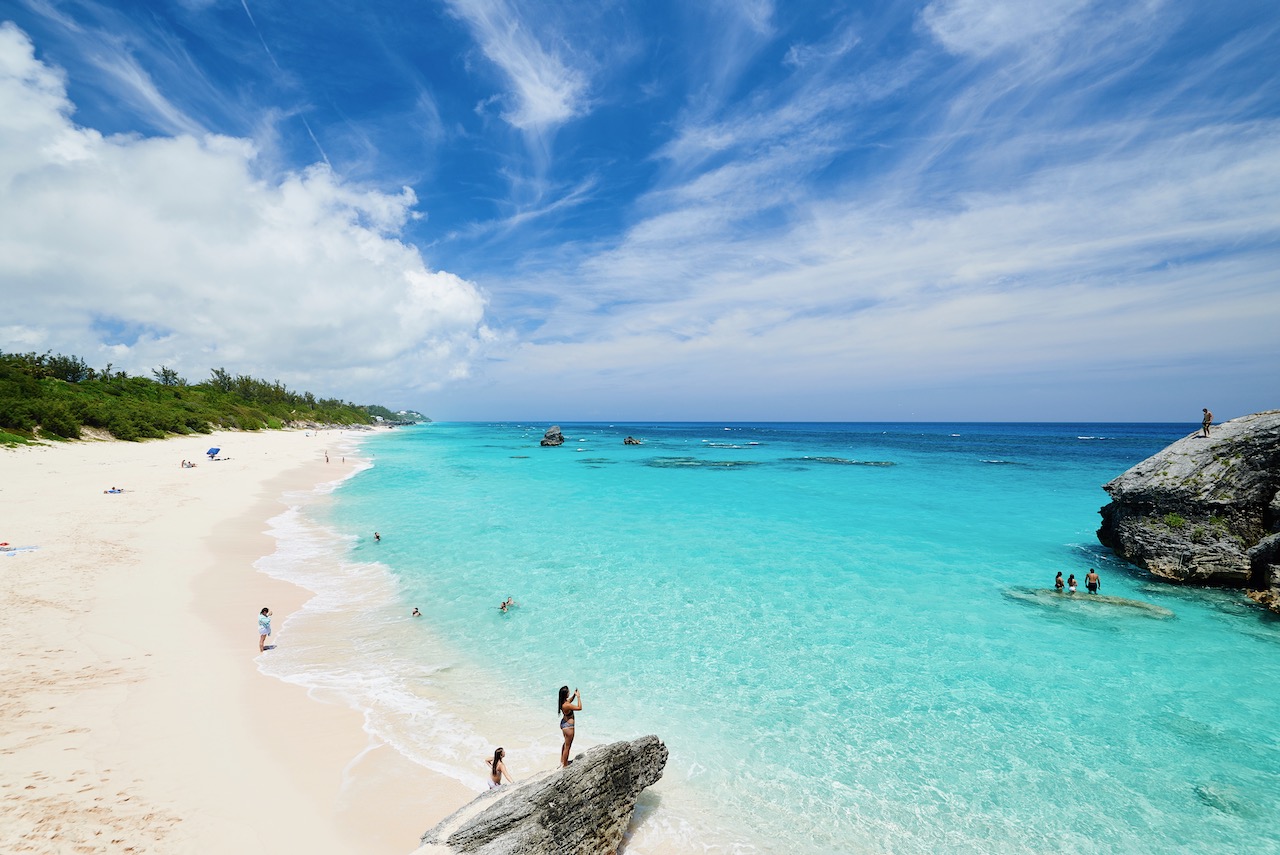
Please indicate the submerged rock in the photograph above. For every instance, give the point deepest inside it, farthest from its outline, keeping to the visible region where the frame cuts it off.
(553, 437)
(583, 809)
(838, 461)
(631, 440)
(1052, 598)
(1206, 510)
(695, 463)
(1226, 799)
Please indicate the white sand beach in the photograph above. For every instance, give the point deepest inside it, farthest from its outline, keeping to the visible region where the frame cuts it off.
(134, 718)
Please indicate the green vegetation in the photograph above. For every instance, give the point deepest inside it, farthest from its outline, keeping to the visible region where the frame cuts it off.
(404, 417)
(1174, 520)
(54, 397)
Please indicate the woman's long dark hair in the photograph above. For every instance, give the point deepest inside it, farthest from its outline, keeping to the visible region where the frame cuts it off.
(564, 696)
(497, 758)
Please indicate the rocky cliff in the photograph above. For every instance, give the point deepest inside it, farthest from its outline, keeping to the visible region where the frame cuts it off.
(1206, 510)
(582, 810)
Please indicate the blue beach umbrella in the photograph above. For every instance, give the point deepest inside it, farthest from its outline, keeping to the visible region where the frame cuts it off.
(211, 452)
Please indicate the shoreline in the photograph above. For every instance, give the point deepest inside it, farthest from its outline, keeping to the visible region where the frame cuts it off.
(138, 718)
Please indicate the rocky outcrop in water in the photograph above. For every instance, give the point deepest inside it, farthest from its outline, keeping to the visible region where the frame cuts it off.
(583, 810)
(1206, 510)
(553, 437)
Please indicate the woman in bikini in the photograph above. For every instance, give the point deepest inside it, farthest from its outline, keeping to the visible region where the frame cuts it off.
(497, 769)
(569, 704)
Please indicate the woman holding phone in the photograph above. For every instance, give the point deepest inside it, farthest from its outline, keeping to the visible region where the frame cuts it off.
(568, 705)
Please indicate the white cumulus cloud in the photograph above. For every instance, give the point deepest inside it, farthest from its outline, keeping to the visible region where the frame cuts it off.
(177, 250)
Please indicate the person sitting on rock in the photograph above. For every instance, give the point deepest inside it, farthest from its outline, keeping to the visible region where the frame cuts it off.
(497, 769)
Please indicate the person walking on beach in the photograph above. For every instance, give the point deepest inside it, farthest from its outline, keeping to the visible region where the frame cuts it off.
(568, 705)
(264, 628)
(1071, 583)
(497, 769)
(1057, 582)
(1206, 421)
(1091, 581)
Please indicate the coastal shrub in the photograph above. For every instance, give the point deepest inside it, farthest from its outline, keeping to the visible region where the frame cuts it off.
(1174, 520)
(15, 414)
(1199, 534)
(56, 418)
(194, 423)
(1218, 522)
(91, 416)
(122, 427)
(60, 394)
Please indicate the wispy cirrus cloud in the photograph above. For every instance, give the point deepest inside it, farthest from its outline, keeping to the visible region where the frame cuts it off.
(544, 89)
(984, 27)
(134, 84)
(1032, 225)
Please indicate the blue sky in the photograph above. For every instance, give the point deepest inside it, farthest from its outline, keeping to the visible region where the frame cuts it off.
(946, 210)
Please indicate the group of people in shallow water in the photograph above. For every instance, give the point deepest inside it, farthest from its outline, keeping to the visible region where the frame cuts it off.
(1091, 582)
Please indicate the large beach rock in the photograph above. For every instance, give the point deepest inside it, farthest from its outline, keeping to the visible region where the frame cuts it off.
(1204, 510)
(553, 436)
(582, 810)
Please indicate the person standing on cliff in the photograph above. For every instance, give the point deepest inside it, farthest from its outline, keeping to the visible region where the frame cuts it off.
(569, 704)
(1091, 581)
(1206, 421)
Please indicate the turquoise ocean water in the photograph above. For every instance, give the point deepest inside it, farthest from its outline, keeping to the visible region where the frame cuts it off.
(835, 629)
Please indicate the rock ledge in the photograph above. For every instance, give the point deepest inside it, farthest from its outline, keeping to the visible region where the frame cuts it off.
(584, 809)
(1205, 511)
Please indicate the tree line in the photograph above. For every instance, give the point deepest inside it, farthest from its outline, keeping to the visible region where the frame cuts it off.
(54, 395)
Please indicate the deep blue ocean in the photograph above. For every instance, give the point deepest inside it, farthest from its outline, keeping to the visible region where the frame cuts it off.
(842, 632)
